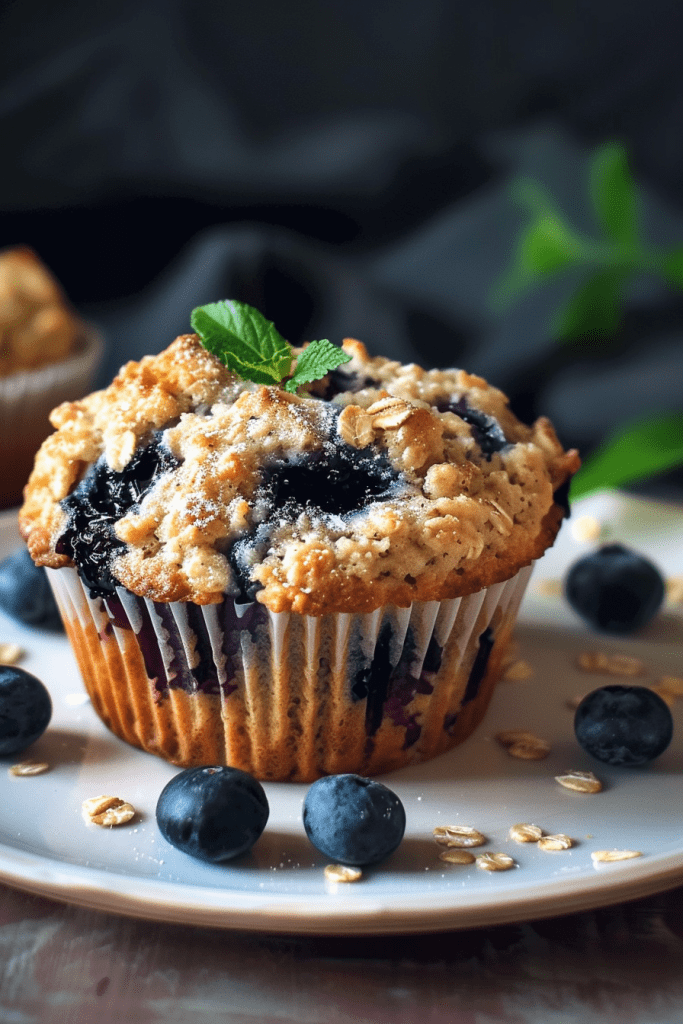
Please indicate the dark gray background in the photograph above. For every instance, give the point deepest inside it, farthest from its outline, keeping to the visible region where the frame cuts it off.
(346, 167)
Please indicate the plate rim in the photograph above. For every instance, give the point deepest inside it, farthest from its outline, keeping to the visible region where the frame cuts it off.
(355, 912)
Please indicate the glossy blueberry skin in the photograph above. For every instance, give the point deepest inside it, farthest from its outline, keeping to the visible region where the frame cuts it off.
(213, 813)
(615, 589)
(25, 709)
(25, 593)
(623, 725)
(353, 820)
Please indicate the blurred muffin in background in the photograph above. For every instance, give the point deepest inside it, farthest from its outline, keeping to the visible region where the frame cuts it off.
(48, 355)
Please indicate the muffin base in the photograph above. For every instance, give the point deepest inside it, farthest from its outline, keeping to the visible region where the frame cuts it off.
(290, 697)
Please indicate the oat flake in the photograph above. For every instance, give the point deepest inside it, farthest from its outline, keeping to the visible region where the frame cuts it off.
(458, 836)
(10, 654)
(673, 685)
(495, 861)
(518, 671)
(605, 856)
(29, 768)
(586, 528)
(107, 811)
(342, 873)
(525, 833)
(556, 842)
(581, 782)
(457, 856)
(610, 664)
(523, 745)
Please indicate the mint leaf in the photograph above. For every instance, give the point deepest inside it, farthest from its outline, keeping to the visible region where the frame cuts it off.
(672, 266)
(315, 361)
(547, 246)
(613, 193)
(595, 309)
(244, 341)
(641, 450)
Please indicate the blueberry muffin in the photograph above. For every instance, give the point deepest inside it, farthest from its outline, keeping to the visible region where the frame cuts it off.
(292, 584)
(47, 355)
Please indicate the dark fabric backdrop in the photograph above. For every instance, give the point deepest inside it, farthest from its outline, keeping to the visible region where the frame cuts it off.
(345, 167)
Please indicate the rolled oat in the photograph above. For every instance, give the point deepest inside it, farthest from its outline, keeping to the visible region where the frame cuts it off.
(458, 836)
(29, 768)
(605, 856)
(342, 873)
(580, 782)
(457, 856)
(107, 811)
(518, 671)
(10, 654)
(524, 833)
(557, 842)
(524, 745)
(610, 664)
(495, 861)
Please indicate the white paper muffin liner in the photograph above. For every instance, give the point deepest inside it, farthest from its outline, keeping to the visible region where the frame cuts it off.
(26, 400)
(287, 696)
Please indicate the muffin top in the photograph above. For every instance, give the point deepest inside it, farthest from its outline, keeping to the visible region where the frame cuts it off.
(380, 484)
(37, 326)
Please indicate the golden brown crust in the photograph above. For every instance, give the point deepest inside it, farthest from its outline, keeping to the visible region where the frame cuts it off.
(458, 520)
(37, 326)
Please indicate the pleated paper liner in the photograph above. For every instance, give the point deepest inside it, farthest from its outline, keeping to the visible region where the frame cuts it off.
(287, 696)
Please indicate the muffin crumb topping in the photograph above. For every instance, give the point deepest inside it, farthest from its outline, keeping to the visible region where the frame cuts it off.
(379, 484)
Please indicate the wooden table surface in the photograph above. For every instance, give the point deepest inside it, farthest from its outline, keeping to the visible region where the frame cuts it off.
(618, 965)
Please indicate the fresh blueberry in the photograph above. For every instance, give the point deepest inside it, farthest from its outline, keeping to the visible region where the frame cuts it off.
(25, 593)
(353, 820)
(615, 589)
(25, 709)
(624, 725)
(213, 813)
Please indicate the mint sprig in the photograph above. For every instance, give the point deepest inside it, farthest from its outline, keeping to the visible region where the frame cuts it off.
(603, 264)
(639, 450)
(315, 362)
(253, 348)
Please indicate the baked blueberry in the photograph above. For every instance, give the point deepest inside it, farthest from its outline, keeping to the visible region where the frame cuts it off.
(353, 820)
(213, 813)
(25, 709)
(623, 725)
(486, 430)
(338, 481)
(615, 589)
(25, 593)
(102, 498)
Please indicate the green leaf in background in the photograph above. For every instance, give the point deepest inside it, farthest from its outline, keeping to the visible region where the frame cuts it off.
(672, 265)
(593, 310)
(613, 193)
(640, 450)
(547, 246)
(243, 340)
(315, 362)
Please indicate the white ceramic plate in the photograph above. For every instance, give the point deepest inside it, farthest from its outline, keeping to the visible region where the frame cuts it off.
(46, 847)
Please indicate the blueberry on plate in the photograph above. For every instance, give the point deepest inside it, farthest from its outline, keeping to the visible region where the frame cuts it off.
(623, 725)
(25, 709)
(213, 813)
(25, 593)
(615, 589)
(353, 820)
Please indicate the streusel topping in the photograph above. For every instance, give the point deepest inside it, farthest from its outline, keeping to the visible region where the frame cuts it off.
(381, 484)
